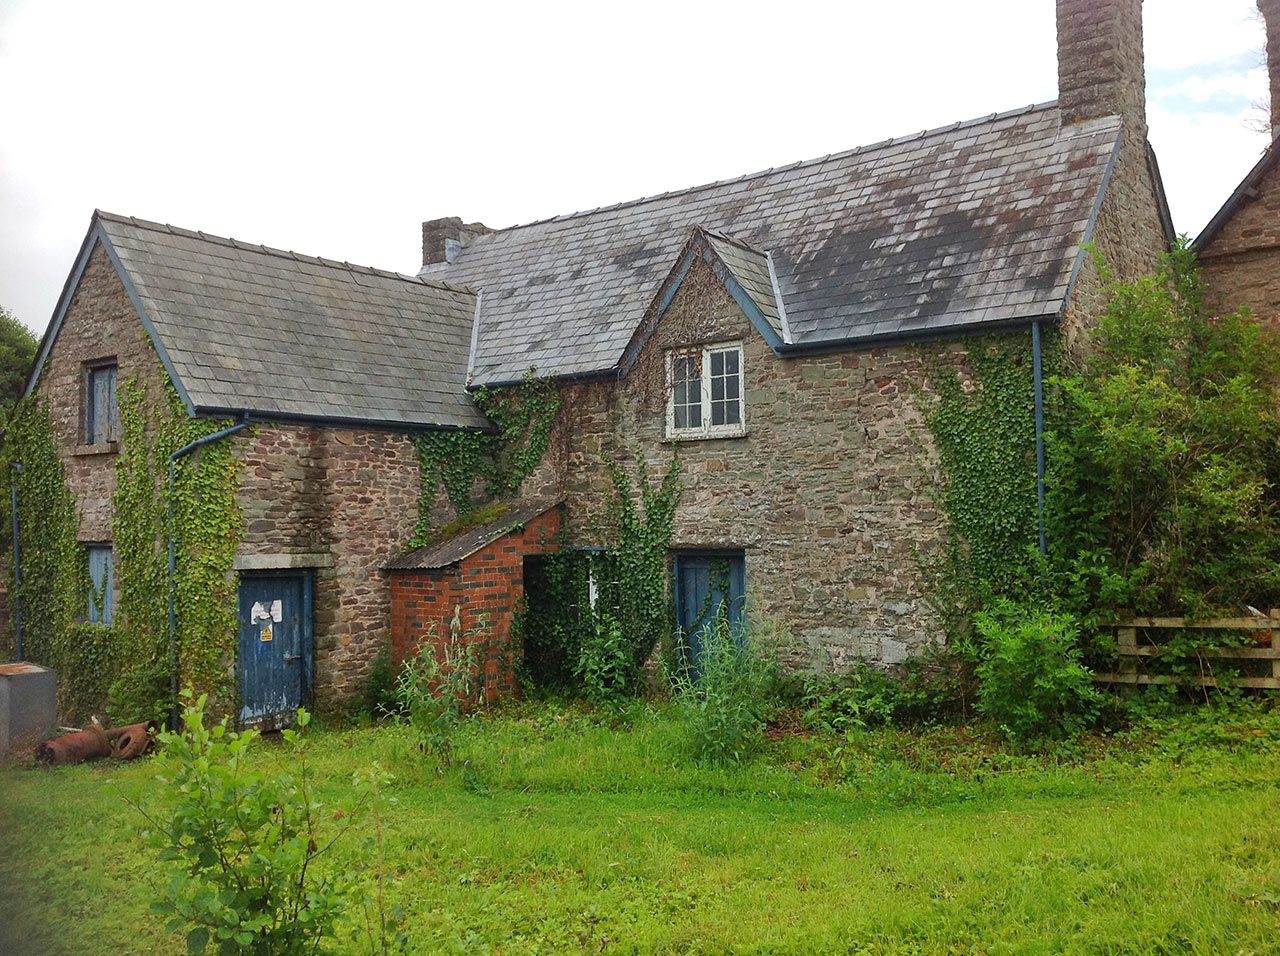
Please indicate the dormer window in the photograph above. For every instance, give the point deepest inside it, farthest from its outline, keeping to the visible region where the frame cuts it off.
(704, 395)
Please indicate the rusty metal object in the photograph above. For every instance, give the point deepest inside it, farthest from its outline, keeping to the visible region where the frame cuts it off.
(88, 744)
(133, 740)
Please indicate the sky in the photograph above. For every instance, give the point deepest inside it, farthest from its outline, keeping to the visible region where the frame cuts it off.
(335, 129)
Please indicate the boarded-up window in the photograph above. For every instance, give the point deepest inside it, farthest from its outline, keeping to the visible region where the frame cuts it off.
(102, 583)
(101, 413)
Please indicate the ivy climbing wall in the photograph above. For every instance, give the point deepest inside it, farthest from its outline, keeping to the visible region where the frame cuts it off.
(834, 493)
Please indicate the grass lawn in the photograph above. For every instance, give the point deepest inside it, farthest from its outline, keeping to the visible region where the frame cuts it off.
(562, 833)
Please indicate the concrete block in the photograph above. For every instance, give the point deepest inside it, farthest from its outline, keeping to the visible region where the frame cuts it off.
(28, 706)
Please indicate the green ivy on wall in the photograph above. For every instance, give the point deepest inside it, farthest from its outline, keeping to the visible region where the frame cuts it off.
(522, 416)
(207, 526)
(985, 437)
(600, 648)
(54, 592)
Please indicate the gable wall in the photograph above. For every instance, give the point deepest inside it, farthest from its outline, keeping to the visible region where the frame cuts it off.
(100, 323)
(1242, 264)
(342, 501)
(1128, 235)
(830, 493)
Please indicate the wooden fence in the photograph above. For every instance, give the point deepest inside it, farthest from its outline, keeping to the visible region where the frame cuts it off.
(1143, 639)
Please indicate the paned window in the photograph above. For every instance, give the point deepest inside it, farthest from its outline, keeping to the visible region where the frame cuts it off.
(705, 394)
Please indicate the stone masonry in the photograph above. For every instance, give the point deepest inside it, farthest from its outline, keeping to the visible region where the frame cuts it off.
(335, 500)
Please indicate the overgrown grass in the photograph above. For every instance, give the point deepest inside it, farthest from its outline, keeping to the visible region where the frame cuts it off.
(561, 829)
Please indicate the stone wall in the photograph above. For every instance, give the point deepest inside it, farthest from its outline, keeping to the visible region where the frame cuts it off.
(488, 584)
(830, 494)
(100, 324)
(1241, 266)
(339, 501)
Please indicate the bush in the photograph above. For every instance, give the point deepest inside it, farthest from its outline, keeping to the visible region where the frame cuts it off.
(380, 698)
(724, 710)
(1032, 681)
(435, 687)
(605, 665)
(928, 688)
(243, 844)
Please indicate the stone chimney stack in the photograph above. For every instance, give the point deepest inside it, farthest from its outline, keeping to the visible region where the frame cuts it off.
(443, 239)
(1100, 67)
(1271, 14)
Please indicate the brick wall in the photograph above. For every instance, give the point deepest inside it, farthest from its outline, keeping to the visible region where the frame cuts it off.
(487, 585)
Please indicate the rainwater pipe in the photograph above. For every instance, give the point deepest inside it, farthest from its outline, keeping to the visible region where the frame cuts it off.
(15, 469)
(1037, 376)
(173, 558)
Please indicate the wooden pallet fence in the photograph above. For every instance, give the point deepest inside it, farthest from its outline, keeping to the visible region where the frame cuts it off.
(1141, 639)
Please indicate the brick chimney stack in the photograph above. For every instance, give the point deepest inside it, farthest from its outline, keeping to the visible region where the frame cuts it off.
(443, 239)
(1100, 65)
(1271, 14)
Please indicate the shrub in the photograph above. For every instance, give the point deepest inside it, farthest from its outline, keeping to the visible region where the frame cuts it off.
(725, 708)
(244, 845)
(1032, 682)
(380, 698)
(605, 665)
(435, 687)
(931, 687)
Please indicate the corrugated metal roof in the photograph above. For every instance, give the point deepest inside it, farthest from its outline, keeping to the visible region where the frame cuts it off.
(977, 223)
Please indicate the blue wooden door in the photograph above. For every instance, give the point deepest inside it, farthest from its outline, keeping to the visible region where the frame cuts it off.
(705, 586)
(275, 647)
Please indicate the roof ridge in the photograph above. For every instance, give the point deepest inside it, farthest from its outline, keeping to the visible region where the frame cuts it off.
(234, 243)
(923, 134)
(734, 241)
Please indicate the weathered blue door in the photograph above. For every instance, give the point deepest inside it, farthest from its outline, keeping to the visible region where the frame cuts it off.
(275, 647)
(706, 583)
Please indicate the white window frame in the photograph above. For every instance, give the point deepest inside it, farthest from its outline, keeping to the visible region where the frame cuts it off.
(706, 429)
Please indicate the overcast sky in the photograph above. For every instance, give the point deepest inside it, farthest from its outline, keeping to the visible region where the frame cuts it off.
(336, 128)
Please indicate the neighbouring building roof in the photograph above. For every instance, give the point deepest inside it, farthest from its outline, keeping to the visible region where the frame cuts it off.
(977, 224)
(1245, 191)
(247, 328)
(442, 554)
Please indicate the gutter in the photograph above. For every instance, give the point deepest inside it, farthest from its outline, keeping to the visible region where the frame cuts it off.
(173, 556)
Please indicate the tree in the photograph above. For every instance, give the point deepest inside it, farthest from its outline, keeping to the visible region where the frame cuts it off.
(17, 353)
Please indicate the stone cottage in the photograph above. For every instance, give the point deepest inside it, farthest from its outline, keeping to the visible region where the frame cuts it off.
(775, 329)
(1239, 250)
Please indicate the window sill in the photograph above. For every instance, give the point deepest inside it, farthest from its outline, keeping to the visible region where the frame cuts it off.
(102, 448)
(674, 437)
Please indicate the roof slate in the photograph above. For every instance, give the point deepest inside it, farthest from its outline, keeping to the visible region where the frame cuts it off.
(463, 545)
(249, 328)
(977, 223)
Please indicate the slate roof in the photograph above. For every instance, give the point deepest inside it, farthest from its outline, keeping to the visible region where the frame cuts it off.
(460, 546)
(974, 224)
(750, 266)
(286, 336)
